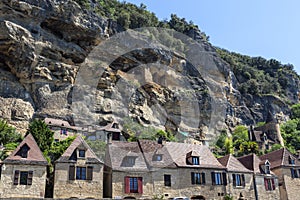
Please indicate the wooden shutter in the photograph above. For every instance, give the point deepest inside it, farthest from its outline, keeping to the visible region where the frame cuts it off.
(29, 178)
(140, 185)
(127, 185)
(71, 173)
(213, 178)
(243, 180)
(193, 178)
(273, 183)
(16, 177)
(234, 179)
(224, 178)
(203, 177)
(266, 184)
(89, 174)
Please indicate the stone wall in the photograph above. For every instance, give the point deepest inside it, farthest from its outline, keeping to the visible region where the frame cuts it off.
(9, 190)
(261, 190)
(65, 188)
(290, 186)
(248, 191)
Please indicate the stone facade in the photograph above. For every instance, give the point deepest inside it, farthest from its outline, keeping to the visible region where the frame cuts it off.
(81, 189)
(10, 190)
(80, 171)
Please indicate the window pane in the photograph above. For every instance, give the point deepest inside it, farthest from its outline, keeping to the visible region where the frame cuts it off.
(81, 153)
(80, 173)
(133, 183)
(23, 178)
(167, 180)
(218, 179)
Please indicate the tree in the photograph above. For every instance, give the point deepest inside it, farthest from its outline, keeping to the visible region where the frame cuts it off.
(239, 135)
(295, 111)
(42, 134)
(8, 134)
(229, 146)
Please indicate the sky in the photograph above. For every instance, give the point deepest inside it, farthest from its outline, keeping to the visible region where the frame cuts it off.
(266, 28)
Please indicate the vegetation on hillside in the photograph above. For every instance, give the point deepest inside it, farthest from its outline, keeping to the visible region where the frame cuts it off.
(290, 130)
(237, 144)
(9, 138)
(259, 76)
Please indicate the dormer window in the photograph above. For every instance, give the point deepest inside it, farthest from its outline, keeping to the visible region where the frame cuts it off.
(291, 161)
(23, 152)
(267, 167)
(195, 160)
(81, 153)
(128, 161)
(157, 157)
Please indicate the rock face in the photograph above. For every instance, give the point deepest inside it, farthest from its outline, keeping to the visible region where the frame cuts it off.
(44, 44)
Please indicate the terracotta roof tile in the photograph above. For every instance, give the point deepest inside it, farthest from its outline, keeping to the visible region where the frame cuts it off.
(251, 162)
(151, 150)
(279, 158)
(79, 143)
(34, 154)
(179, 151)
(233, 164)
(118, 152)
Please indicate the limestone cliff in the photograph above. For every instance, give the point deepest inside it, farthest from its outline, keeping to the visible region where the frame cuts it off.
(45, 43)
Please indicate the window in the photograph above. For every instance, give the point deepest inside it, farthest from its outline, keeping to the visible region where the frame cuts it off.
(218, 178)
(133, 185)
(128, 161)
(23, 177)
(81, 153)
(157, 157)
(23, 152)
(198, 178)
(294, 173)
(82, 173)
(269, 184)
(267, 167)
(238, 180)
(195, 160)
(167, 180)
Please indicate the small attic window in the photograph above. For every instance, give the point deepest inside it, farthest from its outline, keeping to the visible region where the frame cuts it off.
(267, 167)
(23, 152)
(81, 153)
(193, 158)
(291, 161)
(157, 157)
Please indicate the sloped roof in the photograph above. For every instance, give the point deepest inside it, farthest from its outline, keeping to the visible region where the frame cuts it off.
(233, 164)
(34, 154)
(152, 148)
(251, 162)
(117, 152)
(109, 128)
(60, 123)
(179, 151)
(280, 158)
(79, 143)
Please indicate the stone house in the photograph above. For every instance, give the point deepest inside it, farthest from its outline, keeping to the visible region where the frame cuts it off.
(61, 128)
(287, 167)
(147, 169)
(126, 174)
(111, 131)
(264, 180)
(80, 171)
(240, 179)
(23, 173)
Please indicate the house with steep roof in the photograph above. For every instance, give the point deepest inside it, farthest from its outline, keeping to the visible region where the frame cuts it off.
(80, 171)
(264, 180)
(126, 174)
(111, 131)
(240, 179)
(23, 173)
(201, 176)
(61, 128)
(287, 167)
(147, 169)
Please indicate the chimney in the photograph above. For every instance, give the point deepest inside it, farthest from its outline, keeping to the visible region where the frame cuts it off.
(251, 133)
